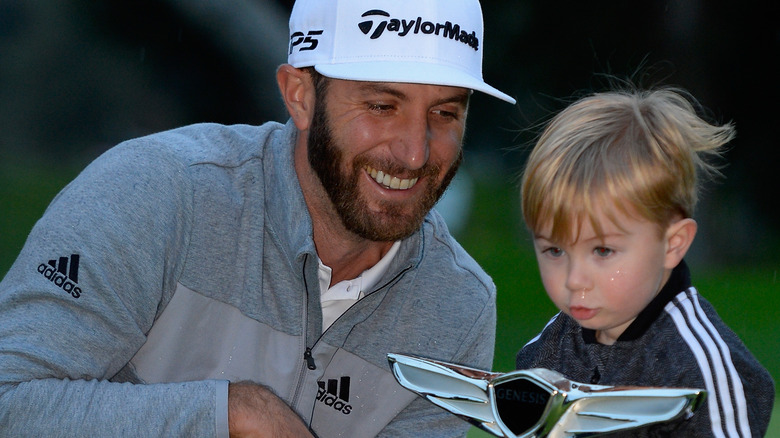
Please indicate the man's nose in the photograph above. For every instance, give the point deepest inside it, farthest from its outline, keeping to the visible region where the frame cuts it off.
(412, 146)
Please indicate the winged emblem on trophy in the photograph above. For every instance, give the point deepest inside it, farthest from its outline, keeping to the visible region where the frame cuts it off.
(538, 402)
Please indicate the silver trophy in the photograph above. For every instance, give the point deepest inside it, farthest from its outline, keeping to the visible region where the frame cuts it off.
(539, 402)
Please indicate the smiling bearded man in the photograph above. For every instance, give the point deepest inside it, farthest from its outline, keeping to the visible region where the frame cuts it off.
(340, 181)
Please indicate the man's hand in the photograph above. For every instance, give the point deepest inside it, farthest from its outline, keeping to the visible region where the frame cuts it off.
(255, 412)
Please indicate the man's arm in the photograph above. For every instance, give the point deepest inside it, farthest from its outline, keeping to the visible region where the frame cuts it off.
(77, 304)
(255, 412)
(82, 295)
(80, 298)
(62, 407)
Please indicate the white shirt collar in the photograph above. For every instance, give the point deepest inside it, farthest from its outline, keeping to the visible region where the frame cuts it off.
(338, 298)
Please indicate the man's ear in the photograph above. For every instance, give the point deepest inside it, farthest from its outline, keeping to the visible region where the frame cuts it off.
(298, 94)
(679, 237)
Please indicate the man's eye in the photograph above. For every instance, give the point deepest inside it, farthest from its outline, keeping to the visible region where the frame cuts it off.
(380, 107)
(446, 114)
(602, 251)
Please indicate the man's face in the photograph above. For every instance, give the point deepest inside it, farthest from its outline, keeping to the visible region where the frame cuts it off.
(385, 152)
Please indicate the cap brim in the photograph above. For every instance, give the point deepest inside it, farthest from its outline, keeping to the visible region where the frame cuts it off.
(409, 72)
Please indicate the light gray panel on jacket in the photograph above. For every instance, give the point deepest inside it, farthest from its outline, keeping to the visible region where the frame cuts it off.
(199, 338)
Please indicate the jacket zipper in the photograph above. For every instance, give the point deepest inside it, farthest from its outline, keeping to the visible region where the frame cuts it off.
(308, 358)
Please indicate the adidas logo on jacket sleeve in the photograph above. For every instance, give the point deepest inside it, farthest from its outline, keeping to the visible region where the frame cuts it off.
(64, 273)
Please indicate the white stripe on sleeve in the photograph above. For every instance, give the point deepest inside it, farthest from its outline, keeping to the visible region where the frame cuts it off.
(536, 338)
(714, 360)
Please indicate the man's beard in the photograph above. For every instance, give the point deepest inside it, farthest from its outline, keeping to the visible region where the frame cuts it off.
(396, 221)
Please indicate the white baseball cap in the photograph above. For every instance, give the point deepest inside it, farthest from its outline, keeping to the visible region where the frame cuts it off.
(436, 42)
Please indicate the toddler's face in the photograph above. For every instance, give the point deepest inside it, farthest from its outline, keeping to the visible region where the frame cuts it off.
(604, 284)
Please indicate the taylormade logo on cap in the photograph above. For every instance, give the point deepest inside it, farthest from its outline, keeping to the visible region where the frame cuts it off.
(309, 41)
(436, 42)
(415, 26)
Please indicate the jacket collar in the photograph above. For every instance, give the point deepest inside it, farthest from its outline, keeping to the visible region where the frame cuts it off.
(286, 214)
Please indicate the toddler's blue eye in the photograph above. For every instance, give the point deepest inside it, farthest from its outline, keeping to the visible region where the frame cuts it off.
(602, 251)
(554, 252)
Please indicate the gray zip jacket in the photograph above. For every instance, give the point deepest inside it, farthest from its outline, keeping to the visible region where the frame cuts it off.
(180, 261)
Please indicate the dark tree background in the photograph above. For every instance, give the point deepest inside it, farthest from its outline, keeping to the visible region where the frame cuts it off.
(78, 76)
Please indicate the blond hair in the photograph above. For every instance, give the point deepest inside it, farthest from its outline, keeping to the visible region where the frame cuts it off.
(638, 150)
